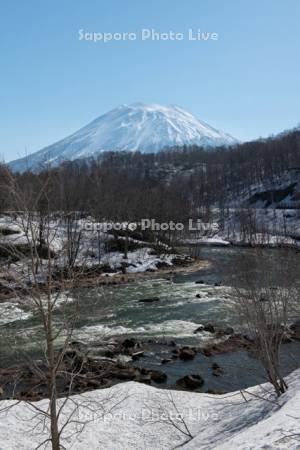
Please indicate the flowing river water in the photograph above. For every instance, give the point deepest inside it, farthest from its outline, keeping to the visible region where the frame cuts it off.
(187, 300)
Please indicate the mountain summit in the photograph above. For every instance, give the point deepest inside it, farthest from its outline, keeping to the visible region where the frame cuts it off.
(147, 128)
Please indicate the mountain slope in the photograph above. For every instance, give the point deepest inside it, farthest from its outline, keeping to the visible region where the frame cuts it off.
(148, 128)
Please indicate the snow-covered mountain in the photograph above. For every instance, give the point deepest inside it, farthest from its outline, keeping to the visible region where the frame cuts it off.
(147, 128)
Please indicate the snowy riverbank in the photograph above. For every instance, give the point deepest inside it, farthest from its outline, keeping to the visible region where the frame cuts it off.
(133, 415)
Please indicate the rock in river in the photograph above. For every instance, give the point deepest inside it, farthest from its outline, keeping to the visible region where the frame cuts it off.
(158, 376)
(209, 327)
(129, 343)
(149, 300)
(186, 353)
(190, 382)
(228, 331)
(199, 329)
(216, 370)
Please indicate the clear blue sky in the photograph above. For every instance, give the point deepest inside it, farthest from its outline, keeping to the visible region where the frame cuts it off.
(247, 83)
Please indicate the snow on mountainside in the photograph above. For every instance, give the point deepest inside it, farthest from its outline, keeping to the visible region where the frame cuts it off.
(148, 128)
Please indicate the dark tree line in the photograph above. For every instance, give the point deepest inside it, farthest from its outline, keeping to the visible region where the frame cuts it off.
(174, 184)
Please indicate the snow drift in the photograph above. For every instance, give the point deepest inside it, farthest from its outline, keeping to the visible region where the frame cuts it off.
(136, 416)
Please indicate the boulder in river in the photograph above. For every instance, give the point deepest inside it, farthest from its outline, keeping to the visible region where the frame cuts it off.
(215, 392)
(199, 329)
(228, 330)
(166, 360)
(199, 282)
(186, 353)
(232, 344)
(128, 343)
(190, 382)
(157, 376)
(137, 355)
(144, 376)
(125, 373)
(216, 370)
(206, 352)
(149, 300)
(209, 327)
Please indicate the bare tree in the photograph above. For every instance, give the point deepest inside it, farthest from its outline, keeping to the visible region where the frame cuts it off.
(45, 270)
(265, 300)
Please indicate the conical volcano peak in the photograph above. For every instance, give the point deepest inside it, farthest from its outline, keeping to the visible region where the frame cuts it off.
(141, 127)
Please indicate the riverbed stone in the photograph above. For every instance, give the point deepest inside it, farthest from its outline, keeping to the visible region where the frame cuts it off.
(126, 373)
(149, 300)
(228, 330)
(137, 355)
(216, 370)
(190, 382)
(158, 377)
(129, 343)
(186, 353)
(233, 343)
(209, 328)
(215, 392)
(166, 360)
(199, 329)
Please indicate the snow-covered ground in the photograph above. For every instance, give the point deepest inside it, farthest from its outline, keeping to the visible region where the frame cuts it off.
(92, 248)
(232, 234)
(268, 226)
(266, 213)
(213, 240)
(263, 215)
(135, 416)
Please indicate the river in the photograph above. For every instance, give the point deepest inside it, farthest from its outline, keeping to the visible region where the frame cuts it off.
(184, 305)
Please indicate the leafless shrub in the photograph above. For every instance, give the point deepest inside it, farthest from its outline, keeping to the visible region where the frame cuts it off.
(265, 301)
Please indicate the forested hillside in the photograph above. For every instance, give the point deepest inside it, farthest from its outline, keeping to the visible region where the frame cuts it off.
(170, 185)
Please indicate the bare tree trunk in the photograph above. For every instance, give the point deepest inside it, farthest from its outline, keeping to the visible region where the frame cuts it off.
(52, 363)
